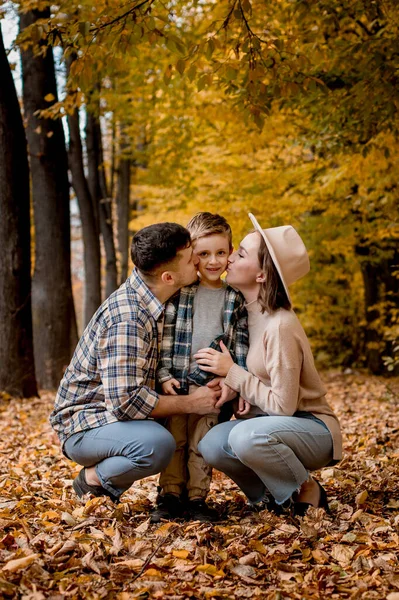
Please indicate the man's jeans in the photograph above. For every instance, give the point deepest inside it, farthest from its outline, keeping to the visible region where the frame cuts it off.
(123, 452)
(268, 454)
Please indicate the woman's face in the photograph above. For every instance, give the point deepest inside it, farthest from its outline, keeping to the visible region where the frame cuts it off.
(243, 270)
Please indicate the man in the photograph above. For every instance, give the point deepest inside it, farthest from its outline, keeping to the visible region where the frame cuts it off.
(106, 400)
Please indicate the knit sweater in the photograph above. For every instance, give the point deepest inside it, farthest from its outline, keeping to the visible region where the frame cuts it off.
(282, 378)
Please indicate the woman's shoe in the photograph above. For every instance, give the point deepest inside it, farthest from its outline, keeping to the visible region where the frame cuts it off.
(299, 508)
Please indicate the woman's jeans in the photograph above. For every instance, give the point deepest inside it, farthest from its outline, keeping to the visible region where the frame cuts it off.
(268, 455)
(122, 452)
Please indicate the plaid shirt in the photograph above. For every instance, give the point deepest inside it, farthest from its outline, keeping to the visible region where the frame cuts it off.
(111, 376)
(177, 336)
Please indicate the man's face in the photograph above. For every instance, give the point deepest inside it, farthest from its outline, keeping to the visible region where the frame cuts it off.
(185, 269)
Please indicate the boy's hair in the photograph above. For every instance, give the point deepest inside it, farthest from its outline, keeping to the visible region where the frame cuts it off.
(205, 223)
(158, 245)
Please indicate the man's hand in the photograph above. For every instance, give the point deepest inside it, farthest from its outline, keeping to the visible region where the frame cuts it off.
(243, 407)
(168, 388)
(227, 393)
(213, 361)
(203, 401)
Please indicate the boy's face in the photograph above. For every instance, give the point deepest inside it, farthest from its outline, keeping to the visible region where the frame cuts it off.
(212, 252)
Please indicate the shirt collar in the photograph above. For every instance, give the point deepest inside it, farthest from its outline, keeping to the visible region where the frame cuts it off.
(154, 306)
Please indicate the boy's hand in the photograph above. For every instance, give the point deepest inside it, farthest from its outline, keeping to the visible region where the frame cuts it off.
(227, 392)
(243, 407)
(213, 361)
(168, 388)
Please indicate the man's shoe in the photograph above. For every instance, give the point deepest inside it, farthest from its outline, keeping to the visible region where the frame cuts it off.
(81, 487)
(198, 510)
(168, 507)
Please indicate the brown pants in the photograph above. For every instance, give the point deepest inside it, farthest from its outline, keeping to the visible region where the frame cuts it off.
(187, 470)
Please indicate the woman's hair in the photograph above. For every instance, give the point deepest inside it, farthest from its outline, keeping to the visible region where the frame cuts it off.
(272, 294)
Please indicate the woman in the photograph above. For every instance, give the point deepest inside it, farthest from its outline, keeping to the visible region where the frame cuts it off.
(296, 431)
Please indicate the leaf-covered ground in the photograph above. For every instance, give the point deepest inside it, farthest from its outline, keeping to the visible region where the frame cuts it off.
(52, 546)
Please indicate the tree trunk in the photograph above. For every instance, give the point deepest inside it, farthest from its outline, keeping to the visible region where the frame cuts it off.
(381, 290)
(88, 216)
(98, 190)
(17, 367)
(123, 205)
(54, 323)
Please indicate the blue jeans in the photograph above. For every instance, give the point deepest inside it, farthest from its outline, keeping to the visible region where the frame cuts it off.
(122, 452)
(268, 455)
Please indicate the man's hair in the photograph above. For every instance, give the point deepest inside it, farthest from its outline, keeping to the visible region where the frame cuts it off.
(205, 223)
(272, 294)
(157, 245)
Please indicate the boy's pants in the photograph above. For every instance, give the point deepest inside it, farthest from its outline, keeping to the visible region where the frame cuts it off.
(187, 470)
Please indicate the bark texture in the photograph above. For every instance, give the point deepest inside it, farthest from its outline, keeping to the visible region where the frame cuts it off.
(98, 190)
(17, 368)
(89, 219)
(123, 206)
(54, 323)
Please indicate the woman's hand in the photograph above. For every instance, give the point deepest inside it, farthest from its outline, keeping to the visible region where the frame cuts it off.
(168, 388)
(243, 407)
(213, 361)
(227, 392)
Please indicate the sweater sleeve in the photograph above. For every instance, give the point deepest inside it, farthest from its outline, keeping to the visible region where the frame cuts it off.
(283, 363)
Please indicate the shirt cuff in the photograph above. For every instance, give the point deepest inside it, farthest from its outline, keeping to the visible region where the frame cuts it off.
(163, 375)
(234, 377)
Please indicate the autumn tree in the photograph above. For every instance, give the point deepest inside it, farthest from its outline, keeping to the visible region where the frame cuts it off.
(17, 370)
(88, 214)
(54, 324)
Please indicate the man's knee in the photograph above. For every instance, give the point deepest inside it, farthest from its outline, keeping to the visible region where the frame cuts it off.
(152, 453)
(164, 449)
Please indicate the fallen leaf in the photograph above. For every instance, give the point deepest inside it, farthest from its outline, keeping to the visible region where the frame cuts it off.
(20, 563)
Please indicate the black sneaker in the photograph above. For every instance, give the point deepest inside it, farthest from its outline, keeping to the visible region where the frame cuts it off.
(198, 510)
(81, 487)
(168, 507)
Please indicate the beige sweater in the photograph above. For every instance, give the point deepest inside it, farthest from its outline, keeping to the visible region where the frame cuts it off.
(281, 377)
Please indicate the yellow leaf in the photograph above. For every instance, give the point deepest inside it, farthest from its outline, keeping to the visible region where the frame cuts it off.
(361, 498)
(210, 570)
(52, 515)
(49, 97)
(153, 573)
(20, 563)
(180, 553)
(163, 530)
(258, 546)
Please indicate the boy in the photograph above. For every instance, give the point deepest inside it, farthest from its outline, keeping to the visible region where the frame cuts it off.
(201, 315)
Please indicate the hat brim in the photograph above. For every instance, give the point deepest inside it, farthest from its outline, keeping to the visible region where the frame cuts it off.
(271, 252)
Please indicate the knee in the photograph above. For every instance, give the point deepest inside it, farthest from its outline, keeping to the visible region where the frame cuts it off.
(153, 455)
(211, 448)
(242, 444)
(164, 448)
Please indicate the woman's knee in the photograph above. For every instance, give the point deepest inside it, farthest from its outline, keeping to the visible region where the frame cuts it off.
(243, 442)
(211, 447)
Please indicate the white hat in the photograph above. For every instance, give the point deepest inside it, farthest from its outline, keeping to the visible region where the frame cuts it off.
(287, 251)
